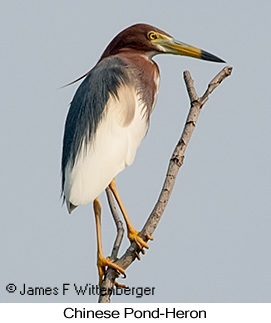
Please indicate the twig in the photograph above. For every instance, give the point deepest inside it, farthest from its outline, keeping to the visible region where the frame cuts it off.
(118, 222)
(175, 163)
(106, 286)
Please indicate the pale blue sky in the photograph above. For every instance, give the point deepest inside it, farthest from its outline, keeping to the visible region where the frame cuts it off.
(213, 242)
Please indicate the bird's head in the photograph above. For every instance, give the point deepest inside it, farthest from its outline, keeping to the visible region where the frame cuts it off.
(153, 41)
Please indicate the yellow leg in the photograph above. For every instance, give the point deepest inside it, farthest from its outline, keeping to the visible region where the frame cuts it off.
(132, 233)
(102, 262)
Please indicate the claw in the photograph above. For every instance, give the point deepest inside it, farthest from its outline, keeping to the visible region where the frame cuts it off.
(137, 255)
(119, 285)
(133, 236)
(102, 263)
(149, 236)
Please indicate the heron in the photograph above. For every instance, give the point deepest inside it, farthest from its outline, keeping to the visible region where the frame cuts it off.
(109, 116)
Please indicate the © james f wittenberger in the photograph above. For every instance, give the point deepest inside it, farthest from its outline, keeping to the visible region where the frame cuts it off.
(80, 290)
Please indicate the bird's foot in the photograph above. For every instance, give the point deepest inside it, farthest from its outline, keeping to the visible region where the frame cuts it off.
(119, 285)
(102, 263)
(133, 235)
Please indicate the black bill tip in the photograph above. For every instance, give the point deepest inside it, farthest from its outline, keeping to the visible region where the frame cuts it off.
(210, 57)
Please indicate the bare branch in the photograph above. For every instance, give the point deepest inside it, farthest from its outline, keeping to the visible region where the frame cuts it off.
(107, 284)
(215, 82)
(118, 222)
(175, 163)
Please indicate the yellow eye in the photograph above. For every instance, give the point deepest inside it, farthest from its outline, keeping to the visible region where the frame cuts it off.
(152, 35)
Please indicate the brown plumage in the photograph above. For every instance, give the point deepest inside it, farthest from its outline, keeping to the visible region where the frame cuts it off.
(134, 38)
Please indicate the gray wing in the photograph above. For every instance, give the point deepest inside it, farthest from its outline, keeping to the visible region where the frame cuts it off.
(88, 104)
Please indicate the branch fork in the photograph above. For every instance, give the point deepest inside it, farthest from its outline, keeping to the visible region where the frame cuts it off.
(176, 161)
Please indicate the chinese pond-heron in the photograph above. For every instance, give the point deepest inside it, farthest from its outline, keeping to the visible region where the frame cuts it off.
(109, 116)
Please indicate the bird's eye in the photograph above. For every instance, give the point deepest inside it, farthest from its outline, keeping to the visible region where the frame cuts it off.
(152, 35)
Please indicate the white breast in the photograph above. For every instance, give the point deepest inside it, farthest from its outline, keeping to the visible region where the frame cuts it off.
(122, 127)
